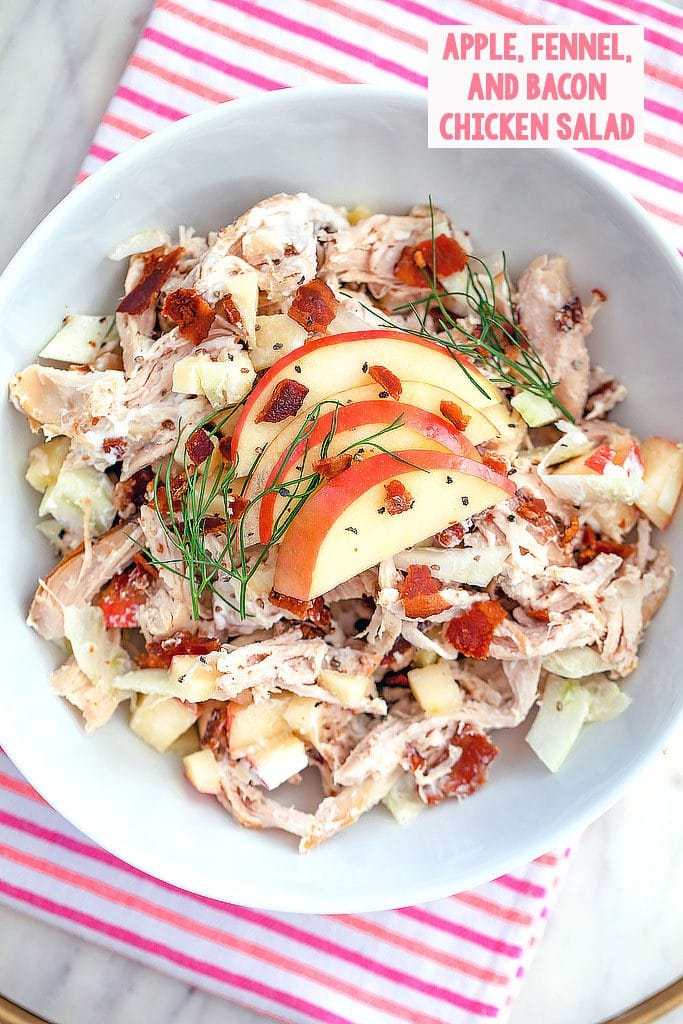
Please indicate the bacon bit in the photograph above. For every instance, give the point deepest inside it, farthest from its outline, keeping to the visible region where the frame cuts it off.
(523, 551)
(229, 311)
(179, 485)
(215, 735)
(129, 494)
(495, 463)
(117, 445)
(599, 294)
(160, 653)
(238, 506)
(600, 458)
(570, 531)
(399, 499)
(314, 306)
(387, 380)
(452, 412)
(394, 679)
(225, 448)
(594, 546)
(122, 596)
(450, 258)
(157, 268)
(570, 314)
(213, 524)
(332, 466)
(530, 508)
(286, 400)
(472, 632)
(193, 314)
(451, 536)
(419, 592)
(470, 772)
(315, 611)
(540, 614)
(146, 566)
(199, 446)
(399, 657)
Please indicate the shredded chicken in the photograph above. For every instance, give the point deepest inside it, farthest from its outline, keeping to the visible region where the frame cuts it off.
(96, 702)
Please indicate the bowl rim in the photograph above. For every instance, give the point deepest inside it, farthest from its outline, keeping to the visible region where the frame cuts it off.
(419, 890)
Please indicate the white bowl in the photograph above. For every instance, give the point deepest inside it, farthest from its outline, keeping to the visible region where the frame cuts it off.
(347, 145)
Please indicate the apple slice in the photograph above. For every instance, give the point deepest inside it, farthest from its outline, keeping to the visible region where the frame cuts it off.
(251, 726)
(303, 716)
(419, 429)
(345, 528)
(203, 771)
(321, 367)
(663, 461)
(276, 762)
(160, 721)
(435, 689)
(350, 687)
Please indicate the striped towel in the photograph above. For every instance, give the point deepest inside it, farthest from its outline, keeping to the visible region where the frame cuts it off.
(461, 958)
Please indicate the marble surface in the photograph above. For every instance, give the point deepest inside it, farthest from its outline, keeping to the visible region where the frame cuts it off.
(617, 933)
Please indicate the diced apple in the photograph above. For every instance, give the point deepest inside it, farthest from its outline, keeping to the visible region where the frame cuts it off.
(423, 658)
(595, 462)
(328, 365)
(194, 686)
(45, 462)
(418, 429)
(435, 689)
(663, 462)
(302, 715)
(242, 287)
(349, 687)
(534, 410)
(160, 722)
(276, 762)
(79, 339)
(276, 336)
(202, 770)
(251, 726)
(402, 800)
(224, 381)
(193, 675)
(187, 743)
(344, 528)
(77, 491)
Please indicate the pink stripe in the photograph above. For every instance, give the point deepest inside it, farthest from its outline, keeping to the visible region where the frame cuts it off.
(211, 61)
(668, 17)
(165, 952)
(21, 787)
(310, 32)
(487, 906)
(608, 18)
(538, 892)
(125, 126)
(411, 7)
(547, 858)
(101, 152)
(140, 100)
(659, 211)
(461, 931)
(642, 172)
(269, 956)
(255, 917)
(663, 110)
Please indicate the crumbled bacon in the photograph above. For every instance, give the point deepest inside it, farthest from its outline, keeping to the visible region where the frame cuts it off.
(495, 463)
(229, 311)
(334, 465)
(599, 294)
(115, 445)
(419, 592)
(530, 508)
(193, 314)
(399, 499)
(146, 566)
(314, 306)
(160, 653)
(238, 506)
(387, 380)
(129, 494)
(158, 265)
(215, 734)
(471, 632)
(199, 446)
(592, 546)
(539, 614)
(179, 486)
(451, 536)
(469, 772)
(394, 679)
(570, 314)
(399, 657)
(452, 412)
(315, 611)
(286, 400)
(225, 448)
(450, 259)
(120, 599)
(570, 531)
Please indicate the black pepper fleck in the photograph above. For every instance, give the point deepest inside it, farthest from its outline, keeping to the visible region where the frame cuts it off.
(449, 479)
(297, 369)
(283, 492)
(511, 519)
(381, 511)
(278, 344)
(365, 367)
(351, 529)
(465, 500)
(383, 394)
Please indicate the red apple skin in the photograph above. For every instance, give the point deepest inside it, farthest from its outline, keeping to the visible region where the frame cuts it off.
(349, 416)
(335, 339)
(298, 552)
